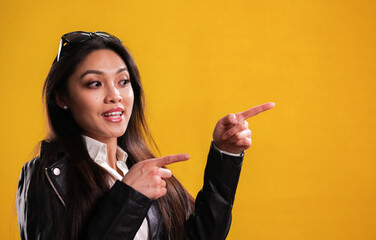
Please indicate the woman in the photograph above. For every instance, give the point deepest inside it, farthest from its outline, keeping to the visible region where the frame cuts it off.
(96, 177)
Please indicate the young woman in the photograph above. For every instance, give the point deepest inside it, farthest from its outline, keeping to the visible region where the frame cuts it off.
(96, 177)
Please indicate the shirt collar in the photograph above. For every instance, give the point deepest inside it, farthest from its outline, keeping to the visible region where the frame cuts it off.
(98, 150)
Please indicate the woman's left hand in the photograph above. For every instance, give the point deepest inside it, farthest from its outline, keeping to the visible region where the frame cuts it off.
(231, 134)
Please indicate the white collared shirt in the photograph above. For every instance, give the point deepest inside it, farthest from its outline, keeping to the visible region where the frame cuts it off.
(98, 152)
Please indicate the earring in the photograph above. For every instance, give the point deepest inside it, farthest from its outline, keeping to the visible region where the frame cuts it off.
(65, 107)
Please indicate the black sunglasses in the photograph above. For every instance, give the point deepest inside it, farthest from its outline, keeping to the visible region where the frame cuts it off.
(81, 36)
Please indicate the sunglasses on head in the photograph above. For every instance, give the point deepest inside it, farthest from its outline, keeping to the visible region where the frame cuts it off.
(81, 36)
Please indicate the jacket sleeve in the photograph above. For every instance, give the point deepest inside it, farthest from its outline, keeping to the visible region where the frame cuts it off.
(118, 215)
(212, 216)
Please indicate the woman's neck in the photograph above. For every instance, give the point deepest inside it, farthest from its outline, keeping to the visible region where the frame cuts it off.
(111, 149)
(111, 153)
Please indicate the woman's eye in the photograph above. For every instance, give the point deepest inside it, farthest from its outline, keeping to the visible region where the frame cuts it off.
(124, 82)
(94, 84)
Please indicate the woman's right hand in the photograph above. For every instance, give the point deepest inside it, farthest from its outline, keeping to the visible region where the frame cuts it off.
(148, 176)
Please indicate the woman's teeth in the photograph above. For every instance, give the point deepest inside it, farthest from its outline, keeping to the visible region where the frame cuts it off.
(112, 114)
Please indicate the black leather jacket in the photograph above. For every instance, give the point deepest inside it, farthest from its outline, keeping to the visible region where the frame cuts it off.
(122, 209)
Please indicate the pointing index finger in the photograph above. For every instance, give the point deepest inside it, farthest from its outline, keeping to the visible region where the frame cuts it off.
(255, 110)
(162, 161)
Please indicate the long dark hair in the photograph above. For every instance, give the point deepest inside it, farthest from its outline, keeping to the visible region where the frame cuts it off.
(86, 181)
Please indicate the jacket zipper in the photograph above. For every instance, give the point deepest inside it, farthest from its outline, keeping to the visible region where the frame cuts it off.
(53, 186)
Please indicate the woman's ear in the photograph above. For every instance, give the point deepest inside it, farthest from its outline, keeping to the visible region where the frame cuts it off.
(61, 101)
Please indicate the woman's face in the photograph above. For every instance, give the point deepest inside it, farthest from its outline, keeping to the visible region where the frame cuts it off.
(101, 95)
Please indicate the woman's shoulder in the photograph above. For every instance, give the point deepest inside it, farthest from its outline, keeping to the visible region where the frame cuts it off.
(41, 173)
(50, 155)
(29, 169)
(31, 164)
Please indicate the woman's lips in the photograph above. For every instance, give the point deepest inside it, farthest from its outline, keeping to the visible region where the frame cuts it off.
(114, 115)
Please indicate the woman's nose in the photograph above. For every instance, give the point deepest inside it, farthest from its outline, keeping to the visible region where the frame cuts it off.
(113, 95)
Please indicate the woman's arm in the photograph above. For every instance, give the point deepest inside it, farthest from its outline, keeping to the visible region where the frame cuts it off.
(119, 214)
(212, 216)
(41, 213)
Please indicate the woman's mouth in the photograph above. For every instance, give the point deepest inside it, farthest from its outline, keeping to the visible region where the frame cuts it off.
(113, 116)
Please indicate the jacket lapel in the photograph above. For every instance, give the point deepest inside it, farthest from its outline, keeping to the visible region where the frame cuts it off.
(56, 175)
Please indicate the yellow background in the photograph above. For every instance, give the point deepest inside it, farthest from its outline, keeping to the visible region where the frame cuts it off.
(310, 173)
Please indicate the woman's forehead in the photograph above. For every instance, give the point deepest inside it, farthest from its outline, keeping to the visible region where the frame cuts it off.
(104, 60)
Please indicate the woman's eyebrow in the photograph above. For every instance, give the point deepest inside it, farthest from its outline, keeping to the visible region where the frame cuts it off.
(90, 71)
(123, 69)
